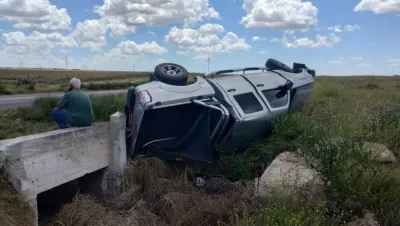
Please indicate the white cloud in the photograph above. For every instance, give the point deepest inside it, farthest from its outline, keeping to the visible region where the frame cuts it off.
(211, 29)
(351, 28)
(34, 14)
(281, 14)
(357, 58)
(64, 51)
(128, 50)
(335, 28)
(262, 52)
(290, 32)
(134, 13)
(182, 53)
(201, 56)
(364, 64)
(256, 38)
(334, 38)
(91, 34)
(37, 61)
(17, 43)
(320, 41)
(203, 43)
(131, 48)
(336, 62)
(275, 40)
(393, 61)
(379, 6)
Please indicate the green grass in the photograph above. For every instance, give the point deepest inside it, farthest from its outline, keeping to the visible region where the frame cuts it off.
(37, 118)
(346, 108)
(340, 107)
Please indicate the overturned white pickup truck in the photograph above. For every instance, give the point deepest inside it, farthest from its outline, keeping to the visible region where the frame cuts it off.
(220, 112)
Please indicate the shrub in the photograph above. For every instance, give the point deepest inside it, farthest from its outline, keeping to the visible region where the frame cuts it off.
(31, 87)
(103, 107)
(302, 206)
(371, 86)
(3, 90)
(286, 132)
(353, 183)
(40, 110)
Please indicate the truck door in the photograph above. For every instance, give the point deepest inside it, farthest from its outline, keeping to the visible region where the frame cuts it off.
(243, 96)
(252, 120)
(267, 84)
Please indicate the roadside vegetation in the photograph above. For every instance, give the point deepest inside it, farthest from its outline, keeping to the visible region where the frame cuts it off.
(341, 113)
(37, 118)
(14, 211)
(19, 81)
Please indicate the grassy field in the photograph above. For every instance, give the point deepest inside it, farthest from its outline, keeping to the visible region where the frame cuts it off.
(355, 109)
(16, 81)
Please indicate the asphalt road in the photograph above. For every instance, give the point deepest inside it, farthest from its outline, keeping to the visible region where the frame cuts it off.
(13, 101)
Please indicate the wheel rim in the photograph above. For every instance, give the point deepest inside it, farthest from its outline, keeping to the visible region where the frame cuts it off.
(171, 70)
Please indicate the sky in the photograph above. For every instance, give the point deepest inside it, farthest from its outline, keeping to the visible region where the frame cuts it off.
(334, 37)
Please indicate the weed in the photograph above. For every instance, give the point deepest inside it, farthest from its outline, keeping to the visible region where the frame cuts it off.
(253, 162)
(26, 80)
(14, 211)
(31, 87)
(353, 183)
(37, 118)
(371, 86)
(3, 90)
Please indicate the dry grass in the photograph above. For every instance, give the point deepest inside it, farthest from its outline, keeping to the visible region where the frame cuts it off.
(84, 210)
(14, 211)
(167, 199)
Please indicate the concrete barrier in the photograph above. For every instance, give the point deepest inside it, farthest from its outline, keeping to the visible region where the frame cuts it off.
(43, 161)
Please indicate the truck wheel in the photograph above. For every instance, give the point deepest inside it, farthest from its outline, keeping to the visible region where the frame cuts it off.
(273, 64)
(171, 74)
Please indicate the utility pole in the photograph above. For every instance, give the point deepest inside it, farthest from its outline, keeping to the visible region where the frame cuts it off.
(21, 63)
(208, 61)
(133, 67)
(66, 62)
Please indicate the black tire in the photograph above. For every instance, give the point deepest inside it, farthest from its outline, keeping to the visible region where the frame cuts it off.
(273, 64)
(171, 74)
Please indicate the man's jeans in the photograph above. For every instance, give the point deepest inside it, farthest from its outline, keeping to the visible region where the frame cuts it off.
(61, 117)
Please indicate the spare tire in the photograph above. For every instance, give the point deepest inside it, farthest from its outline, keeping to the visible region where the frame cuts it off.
(171, 74)
(273, 64)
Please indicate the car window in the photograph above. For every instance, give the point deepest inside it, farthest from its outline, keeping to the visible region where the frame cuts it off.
(248, 102)
(276, 98)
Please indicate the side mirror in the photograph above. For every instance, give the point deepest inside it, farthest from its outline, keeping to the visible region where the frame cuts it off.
(288, 86)
(284, 88)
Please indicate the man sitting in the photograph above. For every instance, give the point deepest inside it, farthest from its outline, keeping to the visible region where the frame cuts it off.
(79, 112)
